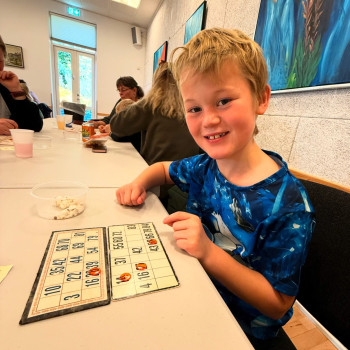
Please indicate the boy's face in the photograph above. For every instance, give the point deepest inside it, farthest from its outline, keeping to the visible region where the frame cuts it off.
(221, 111)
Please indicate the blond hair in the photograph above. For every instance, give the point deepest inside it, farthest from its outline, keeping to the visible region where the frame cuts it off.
(206, 52)
(123, 104)
(25, 88)
(164, 94)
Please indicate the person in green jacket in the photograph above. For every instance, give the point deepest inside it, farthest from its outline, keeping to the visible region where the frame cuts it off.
(160, 118)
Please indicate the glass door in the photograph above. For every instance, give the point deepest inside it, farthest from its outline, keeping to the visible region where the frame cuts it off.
(75, 79)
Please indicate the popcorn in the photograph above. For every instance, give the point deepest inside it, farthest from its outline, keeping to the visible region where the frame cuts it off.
(64, 202)
(71, 207)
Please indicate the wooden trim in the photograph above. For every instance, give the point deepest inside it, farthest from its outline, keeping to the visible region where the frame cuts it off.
(308, 177)
(103, 114)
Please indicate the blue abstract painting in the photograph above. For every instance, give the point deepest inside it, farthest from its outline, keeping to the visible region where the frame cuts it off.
(305, 43)
(196, 22)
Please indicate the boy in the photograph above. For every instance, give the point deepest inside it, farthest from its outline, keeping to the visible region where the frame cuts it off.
(248, 220)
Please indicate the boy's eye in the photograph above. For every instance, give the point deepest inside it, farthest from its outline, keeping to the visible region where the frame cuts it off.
(194, 110)
(224, 101)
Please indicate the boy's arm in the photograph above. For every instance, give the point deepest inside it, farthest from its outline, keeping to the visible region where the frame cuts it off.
(134, 193)
(247, 284)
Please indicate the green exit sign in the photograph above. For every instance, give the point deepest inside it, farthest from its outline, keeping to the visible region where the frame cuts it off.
(73, 11)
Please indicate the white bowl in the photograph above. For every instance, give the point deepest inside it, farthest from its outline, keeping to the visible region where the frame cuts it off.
(58, 200)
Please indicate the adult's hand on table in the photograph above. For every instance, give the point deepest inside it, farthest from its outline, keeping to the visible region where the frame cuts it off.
(98, 123)
(6, 125)
(105, 128)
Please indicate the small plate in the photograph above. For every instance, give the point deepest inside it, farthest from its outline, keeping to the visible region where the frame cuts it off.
(100, 141)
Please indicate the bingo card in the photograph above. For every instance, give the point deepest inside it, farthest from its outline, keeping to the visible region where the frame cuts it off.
(73, 275)
(138, 261)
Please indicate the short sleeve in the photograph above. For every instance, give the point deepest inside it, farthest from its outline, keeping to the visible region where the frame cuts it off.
(282, 245)
(188, 171)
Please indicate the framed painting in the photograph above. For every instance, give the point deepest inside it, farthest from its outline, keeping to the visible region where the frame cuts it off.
(160, 55)
(306, 43)
(14, 56)
(196, 22)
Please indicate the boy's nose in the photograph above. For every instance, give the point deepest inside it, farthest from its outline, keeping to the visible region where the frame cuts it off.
(211, 117)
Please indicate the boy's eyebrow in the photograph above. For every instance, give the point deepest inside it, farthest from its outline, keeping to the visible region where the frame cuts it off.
(218, 91)
(189, 100)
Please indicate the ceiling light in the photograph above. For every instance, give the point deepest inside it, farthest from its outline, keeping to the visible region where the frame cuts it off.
(132, 3)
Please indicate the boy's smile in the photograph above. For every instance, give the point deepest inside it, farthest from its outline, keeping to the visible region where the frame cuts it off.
(221, 111)
(216, 136)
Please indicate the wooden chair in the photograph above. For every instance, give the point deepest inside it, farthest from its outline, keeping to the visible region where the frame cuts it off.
(325, 279)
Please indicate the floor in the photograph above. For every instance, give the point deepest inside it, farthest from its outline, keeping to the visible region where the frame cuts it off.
(305, 335)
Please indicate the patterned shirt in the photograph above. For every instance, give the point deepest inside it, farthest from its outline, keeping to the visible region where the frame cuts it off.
(267, 226)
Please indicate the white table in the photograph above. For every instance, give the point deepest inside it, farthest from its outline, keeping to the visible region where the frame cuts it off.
(191, 316)
(70, 160)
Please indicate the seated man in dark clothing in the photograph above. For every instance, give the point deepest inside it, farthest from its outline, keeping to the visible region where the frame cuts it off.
(14, 104)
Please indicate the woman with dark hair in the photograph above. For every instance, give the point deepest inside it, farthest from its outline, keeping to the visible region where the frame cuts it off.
(128, 89)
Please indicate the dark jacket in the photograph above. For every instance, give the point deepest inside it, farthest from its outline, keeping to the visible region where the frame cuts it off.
(25, 113)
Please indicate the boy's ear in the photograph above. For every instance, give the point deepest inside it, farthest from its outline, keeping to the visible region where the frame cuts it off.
(264, 102)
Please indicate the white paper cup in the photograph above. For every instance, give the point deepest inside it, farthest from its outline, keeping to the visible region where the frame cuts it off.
(23, 140)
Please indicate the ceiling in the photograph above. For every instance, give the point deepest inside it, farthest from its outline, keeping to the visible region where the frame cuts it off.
(141, 17)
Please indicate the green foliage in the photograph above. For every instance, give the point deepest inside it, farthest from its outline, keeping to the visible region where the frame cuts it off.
(305, 64)
(65, 68)
(65, 77)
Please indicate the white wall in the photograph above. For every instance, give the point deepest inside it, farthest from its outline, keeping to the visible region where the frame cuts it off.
(311, 130)
(26, 23)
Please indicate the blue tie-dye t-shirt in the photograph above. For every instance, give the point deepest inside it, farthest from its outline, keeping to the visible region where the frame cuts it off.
(267, 226)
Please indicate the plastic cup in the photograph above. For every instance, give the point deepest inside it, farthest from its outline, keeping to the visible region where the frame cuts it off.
(60, 121)
(23, 140)
(42, 142)
(57, 200)
(68, 118)
(71, 135)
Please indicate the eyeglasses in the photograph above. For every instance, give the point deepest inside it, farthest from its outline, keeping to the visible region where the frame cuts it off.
(123, 89)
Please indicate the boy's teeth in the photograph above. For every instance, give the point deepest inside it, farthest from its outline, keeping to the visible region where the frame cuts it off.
(215, 136)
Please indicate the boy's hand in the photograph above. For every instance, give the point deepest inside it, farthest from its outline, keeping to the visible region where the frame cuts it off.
(189, 233)
(131, 194)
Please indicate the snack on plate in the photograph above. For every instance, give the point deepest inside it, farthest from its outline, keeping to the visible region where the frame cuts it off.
(98, 136)
(6, 140)
(100, 139)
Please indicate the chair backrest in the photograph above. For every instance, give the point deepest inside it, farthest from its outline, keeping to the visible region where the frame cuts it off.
(45, 110)
(325, 278)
